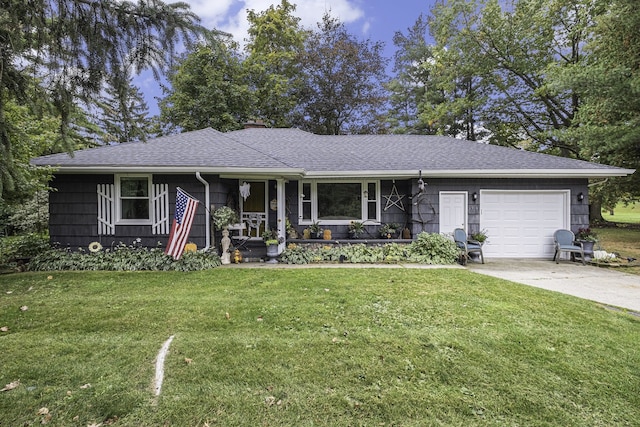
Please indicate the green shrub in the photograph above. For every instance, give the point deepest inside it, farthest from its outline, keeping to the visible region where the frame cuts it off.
(427, 249)
(123, 258)
(361, 254)
(16, 248)
(433, 248)
(296, 255)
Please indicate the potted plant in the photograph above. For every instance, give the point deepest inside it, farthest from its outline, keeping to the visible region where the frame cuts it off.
(291, 232)
(271, 239)
(316, 230)
(588, 239)
(356, 229)
(388, 231)
(586, 235)
(480, 236)
(224, 216)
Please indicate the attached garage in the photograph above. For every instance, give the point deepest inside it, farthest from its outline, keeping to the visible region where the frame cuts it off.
(520, 224)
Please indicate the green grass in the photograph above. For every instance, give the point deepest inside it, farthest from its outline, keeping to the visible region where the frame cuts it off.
(312, 347)
(623, 241)
(629, 214)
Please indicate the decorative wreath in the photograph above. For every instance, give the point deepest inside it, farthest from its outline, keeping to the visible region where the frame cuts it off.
(95, 247)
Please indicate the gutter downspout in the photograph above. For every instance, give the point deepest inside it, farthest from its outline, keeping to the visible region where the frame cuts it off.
(207, 199)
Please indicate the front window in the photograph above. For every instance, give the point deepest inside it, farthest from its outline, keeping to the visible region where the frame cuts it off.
(134, 200)
(338, 203)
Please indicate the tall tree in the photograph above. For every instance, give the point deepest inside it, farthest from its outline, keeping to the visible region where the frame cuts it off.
(436, 89)
(34, 131)
(607, 80)
(510, 45)
(123, 112)
(412, 80)
(207, 89)
(72, 45)
(342, 82)
(275, 41)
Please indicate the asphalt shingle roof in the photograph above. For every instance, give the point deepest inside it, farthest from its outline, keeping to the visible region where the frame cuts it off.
(294, 150)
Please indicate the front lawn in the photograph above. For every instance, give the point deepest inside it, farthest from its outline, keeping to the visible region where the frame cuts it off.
(624, 241)
(311, 347)
(622, 213)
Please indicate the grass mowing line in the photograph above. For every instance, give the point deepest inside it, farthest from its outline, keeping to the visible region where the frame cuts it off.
(162, 354)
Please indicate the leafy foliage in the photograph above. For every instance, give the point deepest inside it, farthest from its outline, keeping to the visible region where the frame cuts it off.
(122, 258)
(208, 88)
(499, 52)
(68, 47)
(429, 248)
(434, 248)
(408, 89)
(16, 248)
(342, 82)
(224, 216)
(607, 80)
(275, 41)
(124, 110)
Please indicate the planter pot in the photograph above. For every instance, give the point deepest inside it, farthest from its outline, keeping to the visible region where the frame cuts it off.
(588, 249)
(272, 253)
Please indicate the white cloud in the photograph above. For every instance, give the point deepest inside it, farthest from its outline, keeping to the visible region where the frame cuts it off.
(231, 15)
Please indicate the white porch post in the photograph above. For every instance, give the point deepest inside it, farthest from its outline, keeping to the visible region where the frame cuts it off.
(281, 214)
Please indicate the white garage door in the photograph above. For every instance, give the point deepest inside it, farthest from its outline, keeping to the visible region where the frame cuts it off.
(520, 224)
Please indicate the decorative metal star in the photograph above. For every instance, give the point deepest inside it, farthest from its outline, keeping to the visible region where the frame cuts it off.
(394, 199)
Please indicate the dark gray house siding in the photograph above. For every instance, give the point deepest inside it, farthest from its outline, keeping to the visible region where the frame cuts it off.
(425, 214)
(73, 211)
(73, 206)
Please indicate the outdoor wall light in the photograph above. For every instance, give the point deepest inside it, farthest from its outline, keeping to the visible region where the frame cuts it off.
(580, 197)
(474, 197)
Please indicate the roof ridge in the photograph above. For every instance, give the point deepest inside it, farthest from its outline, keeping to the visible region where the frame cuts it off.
(261, 151)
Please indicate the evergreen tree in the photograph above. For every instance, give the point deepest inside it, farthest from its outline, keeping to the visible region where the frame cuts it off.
(123, 111)
(607, 81)
(409, 86)
(71, 46)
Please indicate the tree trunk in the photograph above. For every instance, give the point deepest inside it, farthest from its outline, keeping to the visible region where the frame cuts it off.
(595, 211)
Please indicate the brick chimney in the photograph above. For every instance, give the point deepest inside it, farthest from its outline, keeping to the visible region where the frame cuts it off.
(258, 123)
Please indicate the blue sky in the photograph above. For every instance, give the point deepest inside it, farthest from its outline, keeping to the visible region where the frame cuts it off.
(377, 20)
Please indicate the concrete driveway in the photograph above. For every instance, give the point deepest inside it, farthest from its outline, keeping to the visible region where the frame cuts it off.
(604, 285)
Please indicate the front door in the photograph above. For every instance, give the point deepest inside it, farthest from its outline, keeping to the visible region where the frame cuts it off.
(453, 211)
(254, 209)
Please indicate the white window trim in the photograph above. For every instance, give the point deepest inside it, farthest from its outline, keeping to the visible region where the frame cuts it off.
(363, 202)
(119, 220)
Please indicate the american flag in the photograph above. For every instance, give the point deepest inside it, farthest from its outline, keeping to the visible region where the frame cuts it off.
(185, 211)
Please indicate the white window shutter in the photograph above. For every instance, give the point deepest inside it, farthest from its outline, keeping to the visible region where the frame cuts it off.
(160, 209)
(106, 209)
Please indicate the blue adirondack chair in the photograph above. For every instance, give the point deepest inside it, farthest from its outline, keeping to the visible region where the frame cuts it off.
(468, 246)
(565, 241)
